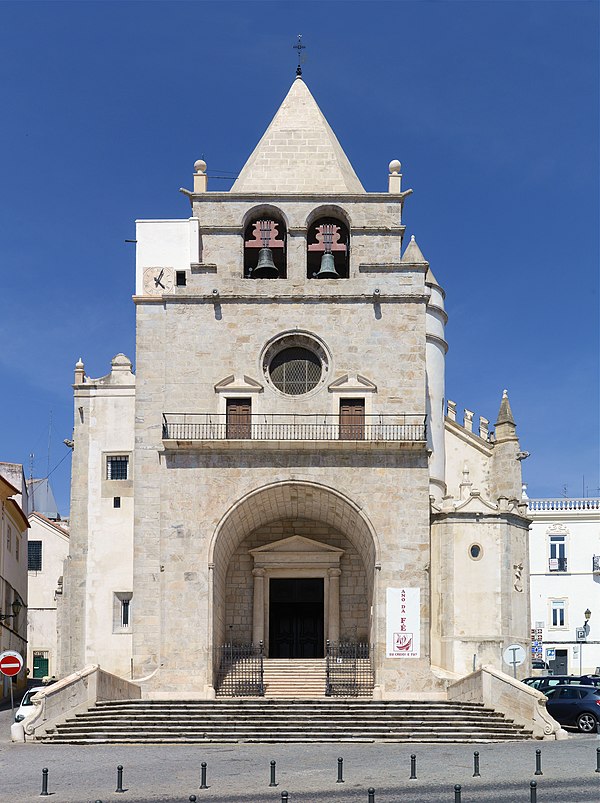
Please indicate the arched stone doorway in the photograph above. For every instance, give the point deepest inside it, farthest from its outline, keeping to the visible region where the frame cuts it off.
(295, 547)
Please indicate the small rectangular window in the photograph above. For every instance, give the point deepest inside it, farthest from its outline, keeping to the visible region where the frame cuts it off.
(117, 467)
(17, 547)
(122, 611)
(116, 501)
(180, 278)
(34, 556)
(558, 613)
(9, 537)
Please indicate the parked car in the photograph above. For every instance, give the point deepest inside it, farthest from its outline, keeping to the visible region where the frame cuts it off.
(544, 682)
(575, 705)
(26, 706)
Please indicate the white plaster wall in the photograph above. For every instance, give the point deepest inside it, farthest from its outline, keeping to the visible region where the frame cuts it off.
(579, 587)
(41, 614)
(110, 551)
(462, 448)
(165, 243)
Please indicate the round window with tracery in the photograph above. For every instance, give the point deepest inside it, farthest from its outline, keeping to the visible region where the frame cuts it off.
(295, 363)
(295, 371)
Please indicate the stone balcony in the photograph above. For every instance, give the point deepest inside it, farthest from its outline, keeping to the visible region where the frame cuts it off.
(299, 432)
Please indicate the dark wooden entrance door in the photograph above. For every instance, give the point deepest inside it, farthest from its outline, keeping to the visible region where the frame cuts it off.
(296, 615)
(239, 418)
(352, 419)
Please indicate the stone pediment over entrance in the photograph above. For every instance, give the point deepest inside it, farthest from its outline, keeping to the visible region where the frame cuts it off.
(238, 384)
(297, 552)
(353, 382)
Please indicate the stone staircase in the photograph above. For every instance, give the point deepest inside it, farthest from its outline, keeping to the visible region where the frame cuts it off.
(294, 678)
(281, 720)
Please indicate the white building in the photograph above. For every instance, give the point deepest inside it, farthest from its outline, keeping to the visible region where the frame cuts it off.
(48, 548)
(279, 470)
(13, 567)
(564, 554)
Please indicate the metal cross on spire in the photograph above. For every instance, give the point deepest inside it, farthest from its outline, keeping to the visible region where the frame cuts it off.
(299, 47)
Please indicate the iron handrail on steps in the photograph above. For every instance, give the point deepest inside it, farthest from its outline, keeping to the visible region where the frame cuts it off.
(349, 669)
(240, 670)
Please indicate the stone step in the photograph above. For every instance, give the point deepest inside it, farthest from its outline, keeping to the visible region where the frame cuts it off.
(260, 704)
(314, 728)
(234, 720)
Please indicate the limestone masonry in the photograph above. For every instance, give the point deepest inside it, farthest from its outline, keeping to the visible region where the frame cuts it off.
(280, 467)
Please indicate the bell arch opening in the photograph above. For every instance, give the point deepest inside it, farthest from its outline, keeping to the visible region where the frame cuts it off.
(293, 565)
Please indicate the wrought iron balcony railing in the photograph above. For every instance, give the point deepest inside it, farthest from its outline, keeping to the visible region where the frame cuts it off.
(267, 427)
(596, 564)
(557, 564)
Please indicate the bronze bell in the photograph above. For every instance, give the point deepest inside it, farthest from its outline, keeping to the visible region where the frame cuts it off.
(327, 269)
(265, 268)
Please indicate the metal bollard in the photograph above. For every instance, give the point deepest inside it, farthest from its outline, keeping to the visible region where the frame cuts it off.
(538, 763)
(284, 797)
(44, 782)
(533, 792)
(340, 778)
(192, 798)
(203, 776)
(413, 768)
(476, 773)
(273, 781)
(598, 759)
(371, 793)
(119, 779)
(457, 793)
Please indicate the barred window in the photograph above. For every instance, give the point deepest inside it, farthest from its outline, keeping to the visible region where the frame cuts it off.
(117, 467)
(295, 371)
(122, 611)
(34, 556)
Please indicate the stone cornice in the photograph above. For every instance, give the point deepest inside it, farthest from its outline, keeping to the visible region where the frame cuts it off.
(469, 437)
(438, 341)
(368, 197)
(500, 516)
(391, 267)
(292, 298)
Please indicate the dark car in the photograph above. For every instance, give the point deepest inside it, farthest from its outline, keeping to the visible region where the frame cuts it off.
(575, 705)
(544, 682)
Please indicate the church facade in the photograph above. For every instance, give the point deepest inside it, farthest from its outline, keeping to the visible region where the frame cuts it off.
(283, 468)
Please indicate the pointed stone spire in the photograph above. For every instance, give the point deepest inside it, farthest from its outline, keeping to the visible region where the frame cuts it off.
(505, 424)
(298, 153)
(413, 253)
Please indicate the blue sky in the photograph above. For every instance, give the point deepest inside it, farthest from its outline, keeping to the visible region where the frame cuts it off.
(492, 107)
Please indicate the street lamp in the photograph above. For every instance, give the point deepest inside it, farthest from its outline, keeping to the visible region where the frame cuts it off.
(586, 629)
(16, 610)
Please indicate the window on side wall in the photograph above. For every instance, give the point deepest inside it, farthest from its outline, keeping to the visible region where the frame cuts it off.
(557, 561)
(34, 556)
(117, 467)
(122, 611)
(558, 615)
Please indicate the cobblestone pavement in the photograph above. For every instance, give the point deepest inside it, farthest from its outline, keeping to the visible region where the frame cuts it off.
(240, 772)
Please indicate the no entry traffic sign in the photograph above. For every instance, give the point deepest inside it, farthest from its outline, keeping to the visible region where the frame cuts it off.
(11, 663)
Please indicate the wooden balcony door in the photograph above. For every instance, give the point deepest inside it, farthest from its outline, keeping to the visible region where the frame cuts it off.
(239, 418)
(352, 419)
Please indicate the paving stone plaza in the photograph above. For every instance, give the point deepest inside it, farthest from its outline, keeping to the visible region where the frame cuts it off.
(241, 772)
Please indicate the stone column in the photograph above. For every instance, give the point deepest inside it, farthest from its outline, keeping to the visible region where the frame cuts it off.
(258, 608)
(334, 604)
